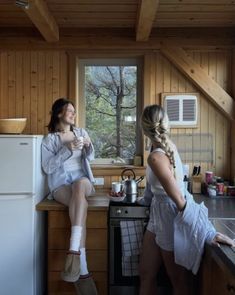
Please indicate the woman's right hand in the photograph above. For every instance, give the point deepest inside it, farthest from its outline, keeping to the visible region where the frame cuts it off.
(223, 239)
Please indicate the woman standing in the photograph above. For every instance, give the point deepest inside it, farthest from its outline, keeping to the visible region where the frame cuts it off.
(66, 152)
(178, 227)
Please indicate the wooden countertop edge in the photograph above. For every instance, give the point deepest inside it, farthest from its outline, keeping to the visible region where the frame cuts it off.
(94, 203)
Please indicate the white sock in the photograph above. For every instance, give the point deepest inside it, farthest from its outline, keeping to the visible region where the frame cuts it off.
(75, 238)
(83, 263)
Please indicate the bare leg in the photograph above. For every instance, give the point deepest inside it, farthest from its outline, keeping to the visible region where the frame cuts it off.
(150, 262)
(178, 275)
(74, 197)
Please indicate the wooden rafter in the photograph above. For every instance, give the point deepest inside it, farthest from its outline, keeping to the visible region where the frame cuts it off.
(40, 15)
(145, 18)
(201, 79)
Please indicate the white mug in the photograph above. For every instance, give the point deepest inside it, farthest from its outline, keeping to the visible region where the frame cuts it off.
(80, 144)
(116, 187)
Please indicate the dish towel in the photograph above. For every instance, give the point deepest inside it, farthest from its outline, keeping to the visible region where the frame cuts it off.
(131, 236)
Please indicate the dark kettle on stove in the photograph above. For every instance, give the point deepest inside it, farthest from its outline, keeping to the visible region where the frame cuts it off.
(130, 183)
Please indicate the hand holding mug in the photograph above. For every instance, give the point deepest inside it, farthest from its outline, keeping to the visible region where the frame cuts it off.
(77, 143)
(86, 141)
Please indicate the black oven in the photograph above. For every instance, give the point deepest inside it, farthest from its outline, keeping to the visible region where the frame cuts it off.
(119, 284)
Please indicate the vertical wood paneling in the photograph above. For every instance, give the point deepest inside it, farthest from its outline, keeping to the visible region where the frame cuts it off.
(159, 77)
(26, 90)
(33, 90)
(4, 85)
(210, 120)
(56, 74)
(19, 84)
(29, 82)
(11, 84)
(41, 129)
(63, 83)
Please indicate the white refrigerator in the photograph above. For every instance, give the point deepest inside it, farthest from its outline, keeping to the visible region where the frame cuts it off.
(22, 228)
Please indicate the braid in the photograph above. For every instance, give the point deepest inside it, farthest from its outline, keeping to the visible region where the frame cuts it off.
(166, 146)
(155, 124)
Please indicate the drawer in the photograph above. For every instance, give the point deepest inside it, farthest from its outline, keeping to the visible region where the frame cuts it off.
(225, 282)
(60, 219)
(96, 260)
(58, 238)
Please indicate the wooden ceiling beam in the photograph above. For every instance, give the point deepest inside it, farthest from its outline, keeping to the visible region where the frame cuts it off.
(41, 17)
(145, 18)
(216, 94)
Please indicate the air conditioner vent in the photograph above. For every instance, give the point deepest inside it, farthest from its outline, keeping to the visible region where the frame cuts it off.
(189, 109)
(172, 106)
(181, 109)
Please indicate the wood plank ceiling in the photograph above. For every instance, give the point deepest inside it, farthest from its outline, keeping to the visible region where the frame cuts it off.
(139, 15)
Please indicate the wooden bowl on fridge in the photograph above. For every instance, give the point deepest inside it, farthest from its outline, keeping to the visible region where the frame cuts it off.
(12, 126)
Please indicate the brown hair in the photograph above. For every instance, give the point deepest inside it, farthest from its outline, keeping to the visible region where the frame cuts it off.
(58, 107)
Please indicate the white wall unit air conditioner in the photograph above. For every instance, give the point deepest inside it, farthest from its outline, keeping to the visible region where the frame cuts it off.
(182, 109)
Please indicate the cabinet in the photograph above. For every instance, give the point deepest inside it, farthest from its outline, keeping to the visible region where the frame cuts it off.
(58, 244)
(216, 278)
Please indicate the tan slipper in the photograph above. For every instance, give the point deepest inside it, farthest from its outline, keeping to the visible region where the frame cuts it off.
(85, 285)
(71, 270)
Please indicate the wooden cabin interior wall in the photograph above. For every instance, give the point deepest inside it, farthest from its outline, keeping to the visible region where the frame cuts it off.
(30, 81)
(164, 77)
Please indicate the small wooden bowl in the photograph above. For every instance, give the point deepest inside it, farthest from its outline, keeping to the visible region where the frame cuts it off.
(12, 126)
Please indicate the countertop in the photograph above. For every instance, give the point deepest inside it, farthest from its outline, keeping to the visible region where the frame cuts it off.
(98, 201)
(221, 212)
(219, 207)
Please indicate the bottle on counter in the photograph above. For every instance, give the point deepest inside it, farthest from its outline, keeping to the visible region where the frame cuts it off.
(209, 177)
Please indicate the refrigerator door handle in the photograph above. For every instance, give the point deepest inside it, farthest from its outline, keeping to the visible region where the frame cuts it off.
(14, 197)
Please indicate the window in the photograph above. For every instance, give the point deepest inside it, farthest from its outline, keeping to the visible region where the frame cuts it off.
(108, 91)
(181, 109)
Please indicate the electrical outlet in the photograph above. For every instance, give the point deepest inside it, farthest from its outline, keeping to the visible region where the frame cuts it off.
(99, 180)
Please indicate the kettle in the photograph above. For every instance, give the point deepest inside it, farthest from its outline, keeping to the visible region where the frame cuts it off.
(130, 185)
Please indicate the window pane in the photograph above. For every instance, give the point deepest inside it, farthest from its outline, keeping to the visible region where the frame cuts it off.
(110, 94)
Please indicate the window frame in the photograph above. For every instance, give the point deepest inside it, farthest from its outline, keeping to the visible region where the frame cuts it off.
(81, 103)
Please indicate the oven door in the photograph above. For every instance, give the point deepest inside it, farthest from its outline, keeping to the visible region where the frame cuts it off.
(119, 284)
(123, 285)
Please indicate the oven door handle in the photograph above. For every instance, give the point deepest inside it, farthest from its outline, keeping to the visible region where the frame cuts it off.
(116, 222)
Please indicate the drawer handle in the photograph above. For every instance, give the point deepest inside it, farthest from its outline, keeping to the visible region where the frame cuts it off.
(231, 288)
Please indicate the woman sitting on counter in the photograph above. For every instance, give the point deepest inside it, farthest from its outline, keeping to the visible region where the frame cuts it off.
(66, 152)
(178, 227)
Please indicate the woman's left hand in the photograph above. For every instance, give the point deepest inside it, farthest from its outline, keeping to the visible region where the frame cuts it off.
(86, 141)
(223, 239)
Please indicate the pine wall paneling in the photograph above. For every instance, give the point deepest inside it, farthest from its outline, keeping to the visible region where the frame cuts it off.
(30, 82)
(210, 119)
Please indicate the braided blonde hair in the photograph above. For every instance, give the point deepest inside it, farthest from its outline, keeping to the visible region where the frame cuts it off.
(155, 124)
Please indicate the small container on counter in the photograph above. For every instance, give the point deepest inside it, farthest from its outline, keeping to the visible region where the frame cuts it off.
(211, 190)
(208, 176)
(220, 188)
(231, 190)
